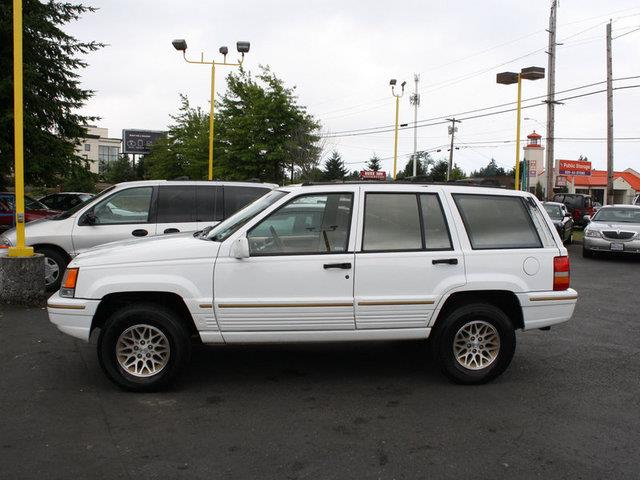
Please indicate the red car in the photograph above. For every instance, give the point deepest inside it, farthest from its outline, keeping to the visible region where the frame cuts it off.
(34, 210)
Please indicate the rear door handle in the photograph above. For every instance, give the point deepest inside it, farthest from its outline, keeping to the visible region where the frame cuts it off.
(450, 261)
(139, 233)
(171, 230)
(343, 266)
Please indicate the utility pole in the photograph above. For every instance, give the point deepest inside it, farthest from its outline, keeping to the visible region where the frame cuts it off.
(609, 118)
(415, 101)
(452, 131)
(550, 101)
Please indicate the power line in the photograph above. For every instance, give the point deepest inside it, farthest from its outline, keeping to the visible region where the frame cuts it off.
(385, 128)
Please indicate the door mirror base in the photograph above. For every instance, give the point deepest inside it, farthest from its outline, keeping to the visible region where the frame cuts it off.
(88, 218)
(240, 248)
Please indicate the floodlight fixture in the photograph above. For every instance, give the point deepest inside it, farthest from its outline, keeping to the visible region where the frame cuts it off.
(507, 78)
(243, 47)
(224, 50)
(393, 82)
(532, 73)
(403, 84)
(180, 44)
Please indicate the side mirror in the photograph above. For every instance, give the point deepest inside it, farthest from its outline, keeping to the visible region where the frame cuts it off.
(88, 218)
(240, 248)
(587, 218)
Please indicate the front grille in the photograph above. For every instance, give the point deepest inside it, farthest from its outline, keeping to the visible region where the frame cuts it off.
(618, 235)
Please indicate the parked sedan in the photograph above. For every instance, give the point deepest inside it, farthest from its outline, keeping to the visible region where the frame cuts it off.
(64, 201)
(561, 219)
(34, 210)
(615, 228)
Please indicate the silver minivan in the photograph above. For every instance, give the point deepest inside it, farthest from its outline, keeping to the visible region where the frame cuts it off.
(130, 210)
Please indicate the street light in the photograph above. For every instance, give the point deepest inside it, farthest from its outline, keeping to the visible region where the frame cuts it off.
(393, 83)
(508, 78)
(242, 47)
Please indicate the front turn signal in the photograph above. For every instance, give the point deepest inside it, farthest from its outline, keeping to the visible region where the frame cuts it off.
(68, 287)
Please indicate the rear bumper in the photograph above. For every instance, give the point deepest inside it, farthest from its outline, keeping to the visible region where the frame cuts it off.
(543, 309)
(72, 316)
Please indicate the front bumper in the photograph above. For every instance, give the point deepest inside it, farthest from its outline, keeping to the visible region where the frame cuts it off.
(72, 316)
(600, 244)
(543, 309)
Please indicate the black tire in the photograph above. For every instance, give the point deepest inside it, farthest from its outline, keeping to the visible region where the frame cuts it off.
(53, 255)
(442, 341)
(570, 239)
(586, 253)
(162, 319)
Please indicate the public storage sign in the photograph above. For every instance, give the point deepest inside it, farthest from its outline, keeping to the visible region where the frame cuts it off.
(574, 167)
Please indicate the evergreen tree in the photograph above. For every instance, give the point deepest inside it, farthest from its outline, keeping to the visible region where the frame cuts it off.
(457, 173)
(119, 170)
(334, 168)
(491, 170)
(439, 171)
(424, 162)
(374, 163)
(52, 91)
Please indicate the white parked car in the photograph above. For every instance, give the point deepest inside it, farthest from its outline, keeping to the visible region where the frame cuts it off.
(133, 209)
(463, 266)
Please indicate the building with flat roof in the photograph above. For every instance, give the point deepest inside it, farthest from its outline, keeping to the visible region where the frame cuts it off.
(98, 148)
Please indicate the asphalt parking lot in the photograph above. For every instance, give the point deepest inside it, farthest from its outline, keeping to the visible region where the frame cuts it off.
(568, 407)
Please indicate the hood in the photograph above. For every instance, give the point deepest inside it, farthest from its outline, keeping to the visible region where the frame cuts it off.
(161, 248)
(41, 227)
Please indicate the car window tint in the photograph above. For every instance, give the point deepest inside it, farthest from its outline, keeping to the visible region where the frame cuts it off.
(208, 203)
(391, 222)
(497, 221)
(308, 224)
(237, 197)
(126, 206)
(176, 204)
(436, 233)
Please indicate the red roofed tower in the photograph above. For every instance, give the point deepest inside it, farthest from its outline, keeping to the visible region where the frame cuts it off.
(534, 155)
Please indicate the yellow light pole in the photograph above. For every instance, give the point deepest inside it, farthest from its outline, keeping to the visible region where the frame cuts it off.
(20, 250)
(508, 78)
(242, 47)
(393, 82)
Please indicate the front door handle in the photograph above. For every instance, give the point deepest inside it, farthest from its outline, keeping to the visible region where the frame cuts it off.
(449, 261)
(139, 233)
(171, 230)
(343, 266)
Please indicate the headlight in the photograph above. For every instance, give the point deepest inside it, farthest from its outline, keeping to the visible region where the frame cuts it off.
(5, 241)
(68, 288)
(592, 233)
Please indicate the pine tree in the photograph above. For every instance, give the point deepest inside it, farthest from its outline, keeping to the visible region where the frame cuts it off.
(334, 168)
(374, 163)
(52, 91)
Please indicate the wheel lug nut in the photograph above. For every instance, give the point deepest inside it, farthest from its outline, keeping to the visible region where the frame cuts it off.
(468, 345)
(474, 350)
(135, 347)
(148, 355)
(139, 355)
(473, 338)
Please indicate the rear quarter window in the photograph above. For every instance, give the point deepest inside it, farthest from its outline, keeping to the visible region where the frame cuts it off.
(497, 221)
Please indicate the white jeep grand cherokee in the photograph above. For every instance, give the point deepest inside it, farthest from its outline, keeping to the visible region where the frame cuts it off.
(463, 266)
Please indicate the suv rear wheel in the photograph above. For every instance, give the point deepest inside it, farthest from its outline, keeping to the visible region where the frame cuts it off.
(142, 347)
(474, 343)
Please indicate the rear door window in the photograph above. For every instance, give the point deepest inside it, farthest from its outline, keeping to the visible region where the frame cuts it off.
(436, 231)
(497, 221)
(209, 206)
(236, 198)
(176, 204)
(391, 222)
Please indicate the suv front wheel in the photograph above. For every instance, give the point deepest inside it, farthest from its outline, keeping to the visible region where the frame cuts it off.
(474, 343)
(142, 347)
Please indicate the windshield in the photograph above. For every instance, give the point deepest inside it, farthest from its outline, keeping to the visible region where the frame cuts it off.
(554, 211)
(80, 206)
(224, 229)
(32, 204)
(617, 215)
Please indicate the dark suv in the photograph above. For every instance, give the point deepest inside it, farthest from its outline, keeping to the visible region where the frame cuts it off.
(578, 205)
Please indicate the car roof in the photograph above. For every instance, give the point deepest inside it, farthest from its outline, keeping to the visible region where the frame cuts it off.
(143, 183)
(405, 187)
(558, 204)
(621, 205)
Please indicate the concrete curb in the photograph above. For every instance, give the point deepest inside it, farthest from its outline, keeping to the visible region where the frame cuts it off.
(22, 280)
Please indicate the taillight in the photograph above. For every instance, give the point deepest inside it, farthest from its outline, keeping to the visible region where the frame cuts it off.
(561, 275)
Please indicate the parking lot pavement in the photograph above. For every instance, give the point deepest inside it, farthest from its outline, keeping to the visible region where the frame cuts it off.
(568, 407)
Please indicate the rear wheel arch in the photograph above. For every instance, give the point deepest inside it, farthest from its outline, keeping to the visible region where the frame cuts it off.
(113, 302)
(505, 300)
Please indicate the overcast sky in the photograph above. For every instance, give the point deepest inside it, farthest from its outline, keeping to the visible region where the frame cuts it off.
(340, 56)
